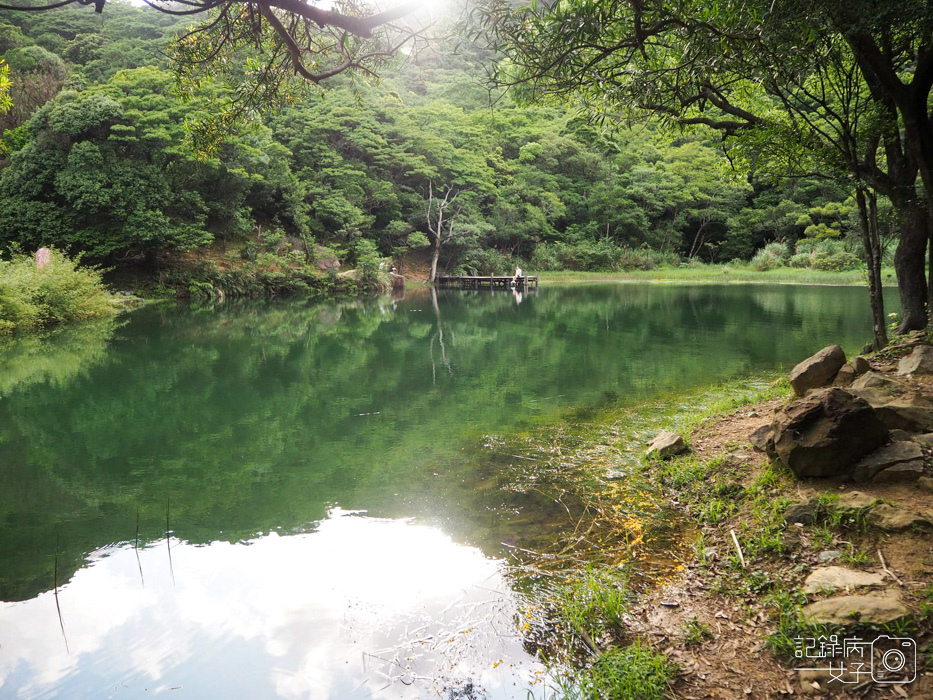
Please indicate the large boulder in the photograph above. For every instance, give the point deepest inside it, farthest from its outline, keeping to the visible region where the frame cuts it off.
(825, 433)
(818, 370)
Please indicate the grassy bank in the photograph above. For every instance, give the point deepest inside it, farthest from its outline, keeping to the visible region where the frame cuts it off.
(721, 274)
(60, 292)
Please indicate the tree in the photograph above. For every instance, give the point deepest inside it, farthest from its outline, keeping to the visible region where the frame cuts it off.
(726, 66)
(441, 215)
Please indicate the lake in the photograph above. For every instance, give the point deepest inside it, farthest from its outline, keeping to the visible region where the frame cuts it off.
(297, 500)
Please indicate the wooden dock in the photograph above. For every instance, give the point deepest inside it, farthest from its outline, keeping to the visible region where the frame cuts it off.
(490, 282)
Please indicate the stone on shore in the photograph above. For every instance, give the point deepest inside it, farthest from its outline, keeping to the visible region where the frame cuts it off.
(920, 361)
(877, 380)
(839, 578)
(896, 519)
(860, 364)
(867, 609)
(905, 472)
(804, 513)
(825, 433)
(845, 376)
(925, 483)
(911, 413)
(817, 370)
(884, 457)
(924, 440)
(854, 501)
(760, 438)
(666, 445)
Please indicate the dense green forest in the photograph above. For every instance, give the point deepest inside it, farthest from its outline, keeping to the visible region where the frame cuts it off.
(97, 159)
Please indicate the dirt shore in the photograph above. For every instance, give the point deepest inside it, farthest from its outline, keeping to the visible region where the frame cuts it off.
(727, 619)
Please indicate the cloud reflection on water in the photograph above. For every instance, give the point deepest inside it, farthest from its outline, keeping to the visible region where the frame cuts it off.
(361, 607)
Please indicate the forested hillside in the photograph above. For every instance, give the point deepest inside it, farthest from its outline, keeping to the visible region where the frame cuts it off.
(95, 160)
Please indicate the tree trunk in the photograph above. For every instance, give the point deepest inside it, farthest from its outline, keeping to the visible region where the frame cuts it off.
(871, 242)
(910, 265)
(919, 140)
(435, 254)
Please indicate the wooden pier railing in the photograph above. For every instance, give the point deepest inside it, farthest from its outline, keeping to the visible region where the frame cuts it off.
(488, 282)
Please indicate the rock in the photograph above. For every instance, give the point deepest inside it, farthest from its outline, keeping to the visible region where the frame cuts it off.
(896, 519)
(898, 435)
(875, 396)
(920, 361)
(325, 260)
(854, 500)
(925, 440)
(868, 609)
(860, 365)
(760, 438)
(665, 445)
(900, 473)
(911, 413)
(889, 455)
(803, 513)
(826, 432)
(817, 370)
(839, 578)
(828, 556)
(845, 376)
(877, 380)
(925, 483)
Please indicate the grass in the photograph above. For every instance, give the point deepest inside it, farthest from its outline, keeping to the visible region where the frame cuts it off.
(591, 605)
(636, 671)
(59, 292)
(719, 274)
(695, 631)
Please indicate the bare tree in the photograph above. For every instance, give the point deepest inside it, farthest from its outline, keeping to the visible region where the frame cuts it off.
(441, 215)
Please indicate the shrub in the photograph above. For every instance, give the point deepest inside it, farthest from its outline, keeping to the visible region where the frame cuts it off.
(61, 291)
(773, 255)
(835, 262)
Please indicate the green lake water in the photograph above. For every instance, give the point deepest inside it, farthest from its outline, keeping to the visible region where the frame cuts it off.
(294, 500)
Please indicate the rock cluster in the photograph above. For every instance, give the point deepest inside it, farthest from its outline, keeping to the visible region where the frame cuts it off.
(872, 430)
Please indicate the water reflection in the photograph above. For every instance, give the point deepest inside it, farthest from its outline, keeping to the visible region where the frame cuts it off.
(257, 418)
(360, 608)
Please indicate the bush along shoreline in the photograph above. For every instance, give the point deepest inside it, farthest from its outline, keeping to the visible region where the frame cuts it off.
(807, 548)
(60, 291)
